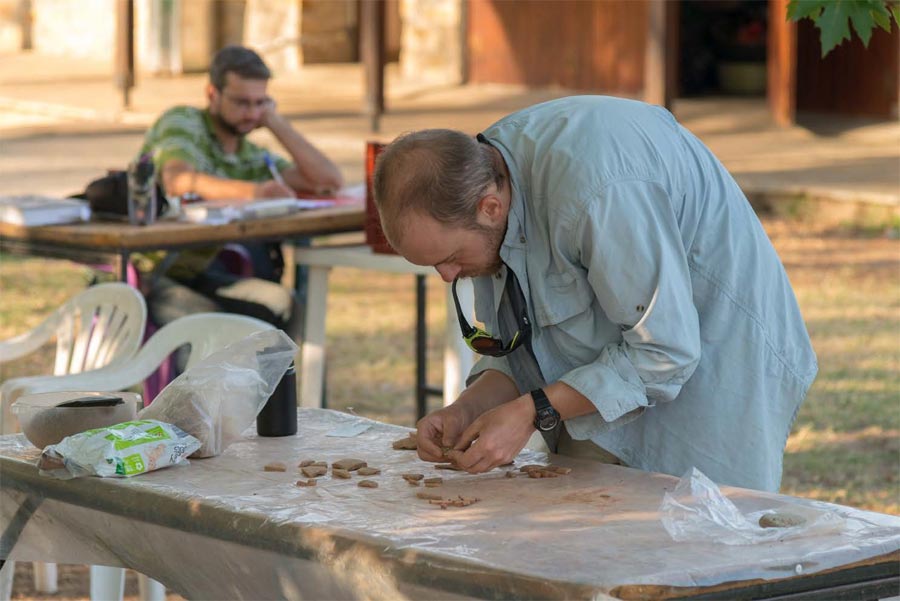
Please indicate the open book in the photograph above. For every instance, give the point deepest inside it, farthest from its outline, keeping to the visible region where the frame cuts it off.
(34, 210)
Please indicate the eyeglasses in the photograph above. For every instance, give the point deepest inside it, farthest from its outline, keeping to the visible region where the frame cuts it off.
(245, 104)
(483, 343)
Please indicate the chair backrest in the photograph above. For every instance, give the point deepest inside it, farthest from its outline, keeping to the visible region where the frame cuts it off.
(103, 325)
(205, 332)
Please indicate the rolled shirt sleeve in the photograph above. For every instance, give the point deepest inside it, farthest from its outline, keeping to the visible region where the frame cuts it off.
(628, 240)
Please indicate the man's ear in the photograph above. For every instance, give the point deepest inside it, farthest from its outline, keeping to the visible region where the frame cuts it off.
(490, 209)
(212, 93)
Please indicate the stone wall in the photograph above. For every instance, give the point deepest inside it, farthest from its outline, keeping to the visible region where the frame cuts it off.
(432, 36)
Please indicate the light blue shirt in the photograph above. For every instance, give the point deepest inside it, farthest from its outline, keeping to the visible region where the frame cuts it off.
(653, 291)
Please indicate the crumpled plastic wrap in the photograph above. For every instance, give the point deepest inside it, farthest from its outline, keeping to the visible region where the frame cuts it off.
(697, 511)
(216, 399)
(224, 528)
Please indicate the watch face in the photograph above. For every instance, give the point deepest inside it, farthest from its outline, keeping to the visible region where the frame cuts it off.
(547, 422)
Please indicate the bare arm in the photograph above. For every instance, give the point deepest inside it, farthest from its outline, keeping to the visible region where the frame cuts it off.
(312, 171)
(180, 177)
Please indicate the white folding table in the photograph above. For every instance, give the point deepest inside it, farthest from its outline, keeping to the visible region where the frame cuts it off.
(458, 359)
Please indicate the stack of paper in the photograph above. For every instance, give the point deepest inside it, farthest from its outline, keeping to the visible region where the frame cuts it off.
(33, 210)
(217, 212)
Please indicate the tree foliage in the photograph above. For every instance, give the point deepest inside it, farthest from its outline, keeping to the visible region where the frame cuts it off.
(833, 18)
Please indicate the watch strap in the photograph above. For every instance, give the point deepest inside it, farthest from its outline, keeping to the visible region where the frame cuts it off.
(541, 402)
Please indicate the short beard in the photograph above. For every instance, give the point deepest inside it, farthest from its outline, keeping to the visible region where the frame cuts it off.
(225, 125)
(494, 239)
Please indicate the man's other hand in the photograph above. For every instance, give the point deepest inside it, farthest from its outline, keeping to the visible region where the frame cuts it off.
(272, 189)
(439, 430)
(496, 437)
(270, 112)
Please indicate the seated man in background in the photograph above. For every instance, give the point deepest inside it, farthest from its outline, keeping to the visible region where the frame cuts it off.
(204, 153)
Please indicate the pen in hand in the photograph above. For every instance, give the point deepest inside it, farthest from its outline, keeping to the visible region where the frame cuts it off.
(270, 164)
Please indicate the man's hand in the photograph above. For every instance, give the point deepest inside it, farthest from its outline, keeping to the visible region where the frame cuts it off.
(272, 189)
(496, 437)
(441, 429)
(269, 113)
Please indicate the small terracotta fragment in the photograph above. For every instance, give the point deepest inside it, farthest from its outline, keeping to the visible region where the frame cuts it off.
(349, 464)
(275, 466)
(314, 471)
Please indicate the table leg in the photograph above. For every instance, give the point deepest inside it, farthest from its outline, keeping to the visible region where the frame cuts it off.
(312, 354)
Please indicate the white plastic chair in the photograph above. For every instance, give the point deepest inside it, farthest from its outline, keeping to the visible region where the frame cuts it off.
(103, 325)
(206, 333)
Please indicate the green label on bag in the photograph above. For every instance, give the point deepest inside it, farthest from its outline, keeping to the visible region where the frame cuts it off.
(150, 435)
(133, 464)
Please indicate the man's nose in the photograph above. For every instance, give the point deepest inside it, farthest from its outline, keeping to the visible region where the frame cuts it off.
(448, 273)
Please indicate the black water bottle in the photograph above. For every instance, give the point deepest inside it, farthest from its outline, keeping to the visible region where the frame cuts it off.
(279, 415)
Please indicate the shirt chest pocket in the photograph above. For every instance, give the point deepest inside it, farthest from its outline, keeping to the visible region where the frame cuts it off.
(559, 297)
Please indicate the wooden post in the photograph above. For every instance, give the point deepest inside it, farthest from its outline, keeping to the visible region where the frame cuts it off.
(661, 53)
(781, 64)
(372, 44)
(124, 65)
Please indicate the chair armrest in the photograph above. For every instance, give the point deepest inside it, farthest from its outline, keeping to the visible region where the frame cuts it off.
(27, 343)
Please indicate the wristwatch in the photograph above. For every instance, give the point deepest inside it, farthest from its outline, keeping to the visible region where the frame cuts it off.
(547, 417)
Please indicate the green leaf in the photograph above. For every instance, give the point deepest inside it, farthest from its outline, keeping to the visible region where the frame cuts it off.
(803, 9)
(895, 10)
(863, 23)
(881, 15)
(834, 23)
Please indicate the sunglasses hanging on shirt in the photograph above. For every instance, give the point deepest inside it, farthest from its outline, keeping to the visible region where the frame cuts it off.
(483, 343)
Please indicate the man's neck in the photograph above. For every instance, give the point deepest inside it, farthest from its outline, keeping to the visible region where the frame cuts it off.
(229, 140)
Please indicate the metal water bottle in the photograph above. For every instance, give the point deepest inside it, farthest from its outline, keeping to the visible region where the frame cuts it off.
(142, 192)
(279, 415)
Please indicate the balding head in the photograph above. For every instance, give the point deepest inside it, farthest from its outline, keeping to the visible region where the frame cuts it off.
(441, 173)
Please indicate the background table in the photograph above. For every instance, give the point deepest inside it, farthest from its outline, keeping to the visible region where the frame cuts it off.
(223, 528)
(458, 359)
(93, 242)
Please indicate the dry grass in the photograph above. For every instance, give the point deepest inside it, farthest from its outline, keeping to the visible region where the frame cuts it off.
(845, 446)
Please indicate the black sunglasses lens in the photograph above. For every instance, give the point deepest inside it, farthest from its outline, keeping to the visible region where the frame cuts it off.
(486, 345)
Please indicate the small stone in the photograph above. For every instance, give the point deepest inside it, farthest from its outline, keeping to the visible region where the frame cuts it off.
(310, 482)
(412, 477)
(367, 484)
(408, 443)
(314, 471)
(433, 481)
(306, 463)
(429, 496)
(349, 464)
(781, 520)
(275, 466)
(368, 471)
(339, 473)
(447, 466)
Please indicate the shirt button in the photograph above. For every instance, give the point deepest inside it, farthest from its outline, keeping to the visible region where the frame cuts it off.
(522, 239)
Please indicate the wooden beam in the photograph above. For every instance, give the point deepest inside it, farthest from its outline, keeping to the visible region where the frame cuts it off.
(124, 63)
(372, 16)
(781, 62)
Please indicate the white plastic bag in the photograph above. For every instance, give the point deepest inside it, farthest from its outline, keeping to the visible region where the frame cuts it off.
(219, 397)
(697, 511)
